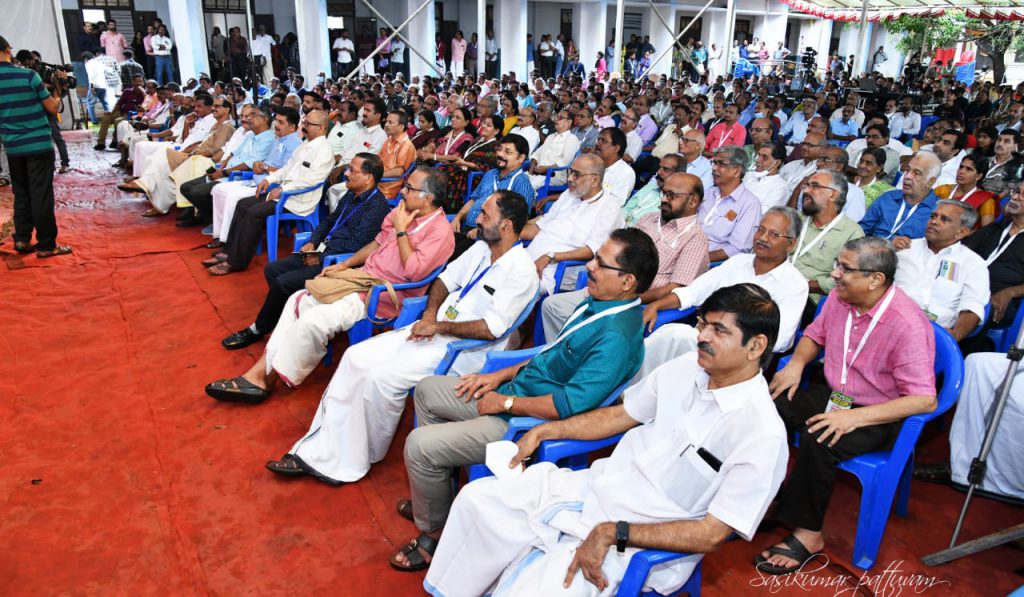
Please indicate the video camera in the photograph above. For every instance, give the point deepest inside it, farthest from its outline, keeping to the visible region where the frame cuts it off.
(808, 58)
(47, 71)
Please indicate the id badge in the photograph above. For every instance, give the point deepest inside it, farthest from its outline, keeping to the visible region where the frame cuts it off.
(931, 316)
(451, 313)
(321, 248)
(838, 401)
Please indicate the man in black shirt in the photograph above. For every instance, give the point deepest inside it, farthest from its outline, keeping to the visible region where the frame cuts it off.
(1002, 247)
(352, 225)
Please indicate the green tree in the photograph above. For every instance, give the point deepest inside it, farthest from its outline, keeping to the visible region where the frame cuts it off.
(993, 38)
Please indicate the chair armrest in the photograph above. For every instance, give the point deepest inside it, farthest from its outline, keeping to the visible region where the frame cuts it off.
(497, 360)
(301, 238)
(520, 425)
(453, 350)
(560, 449)
(286, 194)
(560, 271)
(332, 259)
(639, 568)
(412, 310)
(373, 300)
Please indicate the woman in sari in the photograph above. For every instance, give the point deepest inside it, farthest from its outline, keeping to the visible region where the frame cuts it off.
(480, 156)
(870, 175)
(427, 131)
(972, 170)
(509, 112)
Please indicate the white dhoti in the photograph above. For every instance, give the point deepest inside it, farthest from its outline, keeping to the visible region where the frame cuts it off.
(1005, 473)
(226, 196)
(124, 131)
(359, 412)
(666, 343)
(156, 180)
(190, 169)
(143, 152)
(517, 536)
(134, 139)
(305, 327)
(334, 194)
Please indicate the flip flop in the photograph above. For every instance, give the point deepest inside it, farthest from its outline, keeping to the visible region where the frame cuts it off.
(130, 188)
(58, 250)
(797, 551)
(153, 213)
(237, 389)
(216, 259)
(222, 269)
(23, 247)
(288, 466)
(404, 508)
(412, 553)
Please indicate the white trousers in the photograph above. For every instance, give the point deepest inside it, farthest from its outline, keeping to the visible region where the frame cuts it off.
(666, 343)
(359, 412)
(132, 140)
(458, 68)
(156, 179)
(124, 131)
(226, 196)
(302, 332)
(1005, 473)
(144, 150)
(517, 536)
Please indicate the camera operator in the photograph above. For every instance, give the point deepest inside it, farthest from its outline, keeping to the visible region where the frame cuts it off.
(25, 105)
(29, 59)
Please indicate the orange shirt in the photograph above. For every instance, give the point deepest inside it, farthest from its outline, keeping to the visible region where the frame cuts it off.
(396, 153)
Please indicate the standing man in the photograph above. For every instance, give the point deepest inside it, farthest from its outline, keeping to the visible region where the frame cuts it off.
(162, 44)
(113, 43)
(261, 43)
(472, 51)
(491, 53)
(458, 46)
(24, 105)
(344, 50)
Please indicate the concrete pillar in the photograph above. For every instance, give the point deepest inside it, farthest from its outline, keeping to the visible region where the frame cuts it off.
(420, 33)
(187, 23)
(481, 34)
(620, 44)
(774, 30)
(661, 37)
(311, 27)
(593, 22)
(510, 18)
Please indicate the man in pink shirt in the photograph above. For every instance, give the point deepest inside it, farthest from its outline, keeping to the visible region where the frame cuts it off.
(729, 131)
(114, 44)
(458, 54)
(879, 366)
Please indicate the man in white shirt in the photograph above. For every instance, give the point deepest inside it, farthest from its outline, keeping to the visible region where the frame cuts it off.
(162, 44)
(951, 150)
(765, 182)
(647, 494)
(691, 145)
(527, 128)
(634, 144)
(905, 121)
(768, 267)
(577, 224)
(795, 128)
(948, 280)
(261, 43)
(619, 178)
(491, 55)
(672, 132)
(877, 134)
(344, 51)
(344, 131)
(558, 151)
(370, 137)
(794, 172)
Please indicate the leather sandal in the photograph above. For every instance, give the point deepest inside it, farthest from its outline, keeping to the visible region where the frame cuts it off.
(404, 508)
(413, 552)
(237, 389)
(241, 339)
(23, 247)
(58, 250)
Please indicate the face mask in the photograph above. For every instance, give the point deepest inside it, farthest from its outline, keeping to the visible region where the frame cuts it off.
(592, 105)
(759, 115)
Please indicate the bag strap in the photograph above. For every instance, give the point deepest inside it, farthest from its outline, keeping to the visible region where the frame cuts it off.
(394, 300)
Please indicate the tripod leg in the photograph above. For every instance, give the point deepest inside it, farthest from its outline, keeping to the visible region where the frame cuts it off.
(975, 546)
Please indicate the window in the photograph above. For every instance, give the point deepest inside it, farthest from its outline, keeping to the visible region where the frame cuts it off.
(105, 4)
(566, 28)
(225, 5)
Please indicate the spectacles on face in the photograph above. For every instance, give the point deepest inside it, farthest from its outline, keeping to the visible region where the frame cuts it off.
(672, 196)
(720, 164)
(309, 124)
(602, 265)
(772, 234)
(845, 269)
(577, 173)
(826, 160)
(760, 129)
(813, 186)
(408, 187)
(1018, 194)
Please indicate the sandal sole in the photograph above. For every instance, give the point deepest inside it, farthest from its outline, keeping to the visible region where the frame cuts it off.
(243, 397)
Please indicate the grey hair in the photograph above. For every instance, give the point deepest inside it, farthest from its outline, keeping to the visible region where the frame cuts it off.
(934, 168)
(795, 223)
(735, 155)
(838, 182)
(874, 254)
(969, 215)
(435, 184)
(594, 164)
(700, 137)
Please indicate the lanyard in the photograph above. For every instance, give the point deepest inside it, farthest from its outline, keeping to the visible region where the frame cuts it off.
(476, 146)
(721, 140)
(864, 338)
(661, 235)
(566, 330)
(711, 212)
(465, 289)
(510, 182)
(1005, 240)
(425, 222)
(451, 141)
(897, 224)
(801, 248)
(349, 213)
(952, 194)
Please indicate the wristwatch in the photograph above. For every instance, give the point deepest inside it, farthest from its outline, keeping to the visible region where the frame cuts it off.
(621, 536)
(401, 234)
(551, 257)
(509, 402)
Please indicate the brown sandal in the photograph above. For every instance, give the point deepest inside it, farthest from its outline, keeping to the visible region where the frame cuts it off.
(153, 213)
(222, 269)
(58, 250)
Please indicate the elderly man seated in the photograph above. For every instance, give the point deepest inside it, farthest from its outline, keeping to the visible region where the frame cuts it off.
(768, 267)
(731, 211)
(415, 240)
(879, 367)
(479, 295)
(902, 214)
(948, 280)
(703, 455)
(648, 199)
(557, 151)
(599, 350)
(578, 223)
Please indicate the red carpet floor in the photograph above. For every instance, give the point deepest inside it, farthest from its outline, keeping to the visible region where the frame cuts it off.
(119, 476)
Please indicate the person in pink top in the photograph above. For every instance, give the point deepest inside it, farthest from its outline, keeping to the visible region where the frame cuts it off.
(458, 54)
(727, 132)
(113, 43)
(879, 366)
(414, 240)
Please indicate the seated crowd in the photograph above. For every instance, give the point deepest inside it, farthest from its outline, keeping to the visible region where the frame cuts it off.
(759, 225)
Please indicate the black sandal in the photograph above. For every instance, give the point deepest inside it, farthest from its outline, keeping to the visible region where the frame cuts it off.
(24, 248)
(237, 389)
(288, 466)
(404, 508)
(412, 553)
(797, 551)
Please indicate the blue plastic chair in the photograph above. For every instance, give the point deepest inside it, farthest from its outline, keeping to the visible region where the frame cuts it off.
(670, 316)
(454, 349)
(549, 188)
(1002, 209)
(981, 324)
(1005, 337)
(471, 182)
(560, 268)
(280, 216)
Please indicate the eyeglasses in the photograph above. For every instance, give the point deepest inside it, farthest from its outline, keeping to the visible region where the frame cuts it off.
(671, 196)
(1017, 194)
(721, 163)
(760, 129)
(845, 269)
(408, 187)
(577, 173)
(308, 124)
(813, 186)
(601, 264)
(827, 160)
(772, 234)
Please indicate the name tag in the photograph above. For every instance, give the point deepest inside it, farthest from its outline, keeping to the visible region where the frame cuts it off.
(838, 401)
(451, 313)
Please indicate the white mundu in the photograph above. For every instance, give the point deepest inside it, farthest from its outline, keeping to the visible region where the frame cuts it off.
(785, 284)
(225, 197)
(516, 536)
(359, 412)
(983, 373)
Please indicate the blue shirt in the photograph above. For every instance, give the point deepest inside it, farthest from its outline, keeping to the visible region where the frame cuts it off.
(748, 114)
(255, 148)
(880, 219)
(729, 223)
(517, 181)
(843, 129)
(701, 168)
(282, 150)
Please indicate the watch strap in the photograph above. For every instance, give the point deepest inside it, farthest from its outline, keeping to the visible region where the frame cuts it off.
(621, 536)
(401, 234)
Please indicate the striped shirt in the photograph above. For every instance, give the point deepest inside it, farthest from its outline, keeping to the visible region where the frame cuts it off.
(23, 124)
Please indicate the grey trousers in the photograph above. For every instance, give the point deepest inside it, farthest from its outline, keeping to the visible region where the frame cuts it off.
(451, 433)
(557, 308)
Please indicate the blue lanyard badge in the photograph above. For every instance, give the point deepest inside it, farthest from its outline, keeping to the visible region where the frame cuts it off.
(452, 311)
(349, 213)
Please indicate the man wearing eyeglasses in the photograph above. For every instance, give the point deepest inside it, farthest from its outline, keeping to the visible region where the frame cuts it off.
(370, 137)
(834, 159)
(634, 144)
(691, 145)
(811, 149)
(731, 212)
(795, 128)
(844, 129)
(879, 372)
(727, 132)
(761, 132)
(902, 214)
(876, 134)
(308, 166)
(768, 266)
(557, 151)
